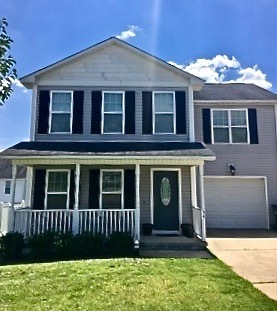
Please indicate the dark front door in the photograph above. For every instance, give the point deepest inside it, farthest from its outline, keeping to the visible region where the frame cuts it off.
(166, 200)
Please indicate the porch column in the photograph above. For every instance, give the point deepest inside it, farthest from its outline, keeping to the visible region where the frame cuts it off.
(193, 186)
(75, 221)
(29, 185)
(77, 186)
(137, 213)
(14, 172)
(202, 201)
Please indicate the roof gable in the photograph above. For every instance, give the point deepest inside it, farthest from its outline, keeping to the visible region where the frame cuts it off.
(98, 62)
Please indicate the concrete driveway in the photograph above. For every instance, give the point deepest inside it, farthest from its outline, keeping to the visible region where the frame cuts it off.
(252, 254)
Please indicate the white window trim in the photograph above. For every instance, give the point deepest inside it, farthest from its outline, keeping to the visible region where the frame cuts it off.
(60, 112)
(154, 112)
(112, 192)
(5, 187)
(229, 126)
(46, 187)
(113, 112)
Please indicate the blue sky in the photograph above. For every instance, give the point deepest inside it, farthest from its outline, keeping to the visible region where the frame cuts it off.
(219, 40)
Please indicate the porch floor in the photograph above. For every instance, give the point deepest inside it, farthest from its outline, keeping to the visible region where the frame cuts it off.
(173, 247)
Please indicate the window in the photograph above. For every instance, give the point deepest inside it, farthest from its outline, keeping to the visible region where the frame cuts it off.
(57, 189)
(60, 117)
(111, 189)
(113, 113)
(230, 126)
(164, 112)
(8, 187)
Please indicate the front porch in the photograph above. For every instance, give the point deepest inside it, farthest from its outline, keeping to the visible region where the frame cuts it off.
(126, 211)
(112, 191)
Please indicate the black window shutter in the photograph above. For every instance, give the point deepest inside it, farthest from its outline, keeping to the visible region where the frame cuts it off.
(39, 190)
(43, 112)
(207, 131)
(72, 189)
(96, 103)
(130, 112)
(129, 189)
(94, 189)
(180, 98)
(253, 128)
(78, 103)
(147, 121)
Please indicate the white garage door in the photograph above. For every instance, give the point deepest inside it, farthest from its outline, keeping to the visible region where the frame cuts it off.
(237, 203)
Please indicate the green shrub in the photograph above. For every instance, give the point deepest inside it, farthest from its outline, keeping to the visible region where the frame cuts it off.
(64, 245)
(89, 245)
(42, 245)
(121, 244)
(11, 245)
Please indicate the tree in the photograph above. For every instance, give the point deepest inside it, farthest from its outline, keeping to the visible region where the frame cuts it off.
(7, 71)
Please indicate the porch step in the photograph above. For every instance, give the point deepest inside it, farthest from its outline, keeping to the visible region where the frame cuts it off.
(203, 254)
(165, 243)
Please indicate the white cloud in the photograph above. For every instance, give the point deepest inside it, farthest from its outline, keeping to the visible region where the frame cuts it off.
(17, 83)
(130, 32)
(217, 70)
(254, 75)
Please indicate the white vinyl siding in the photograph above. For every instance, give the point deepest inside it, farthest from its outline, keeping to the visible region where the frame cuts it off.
(164, 119)
(57, 189)
(113, 112)
(230, 126)
(111, 189)
(61, 111)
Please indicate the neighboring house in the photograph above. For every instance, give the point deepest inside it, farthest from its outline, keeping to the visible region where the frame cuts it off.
(6, 189)
(6, 182)
(113, 144)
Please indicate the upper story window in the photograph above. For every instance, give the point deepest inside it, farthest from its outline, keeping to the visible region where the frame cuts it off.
(164, 113)
(60, 116)
(111, 195)
(7, 187)
(57, 189)
(230, 126)
(113, 113)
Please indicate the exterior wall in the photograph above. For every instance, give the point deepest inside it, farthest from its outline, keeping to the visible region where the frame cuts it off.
(19, 191)
(249, 160)
(145, 185)
(87, 136)
(112, 66)
(112, 69)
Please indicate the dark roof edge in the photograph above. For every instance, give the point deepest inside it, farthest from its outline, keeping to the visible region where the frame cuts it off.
(72, 56)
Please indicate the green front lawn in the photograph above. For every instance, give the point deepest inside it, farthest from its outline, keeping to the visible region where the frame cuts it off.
(128, 284)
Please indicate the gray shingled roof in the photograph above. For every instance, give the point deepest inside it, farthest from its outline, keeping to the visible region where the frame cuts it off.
(6, 170)
(233, 91)
(52, 149)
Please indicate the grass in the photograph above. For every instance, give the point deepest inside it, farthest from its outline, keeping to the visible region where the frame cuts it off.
(128, 284)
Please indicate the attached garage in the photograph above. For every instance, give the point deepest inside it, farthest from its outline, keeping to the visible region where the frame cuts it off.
(236, 202)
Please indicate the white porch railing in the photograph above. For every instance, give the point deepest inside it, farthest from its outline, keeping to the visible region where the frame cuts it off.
(197, 220)
(31, 222)
(104, 221)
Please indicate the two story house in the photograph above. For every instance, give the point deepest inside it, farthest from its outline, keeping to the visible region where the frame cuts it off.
(120, 138)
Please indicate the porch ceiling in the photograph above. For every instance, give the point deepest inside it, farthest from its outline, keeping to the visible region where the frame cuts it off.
(172, 153)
